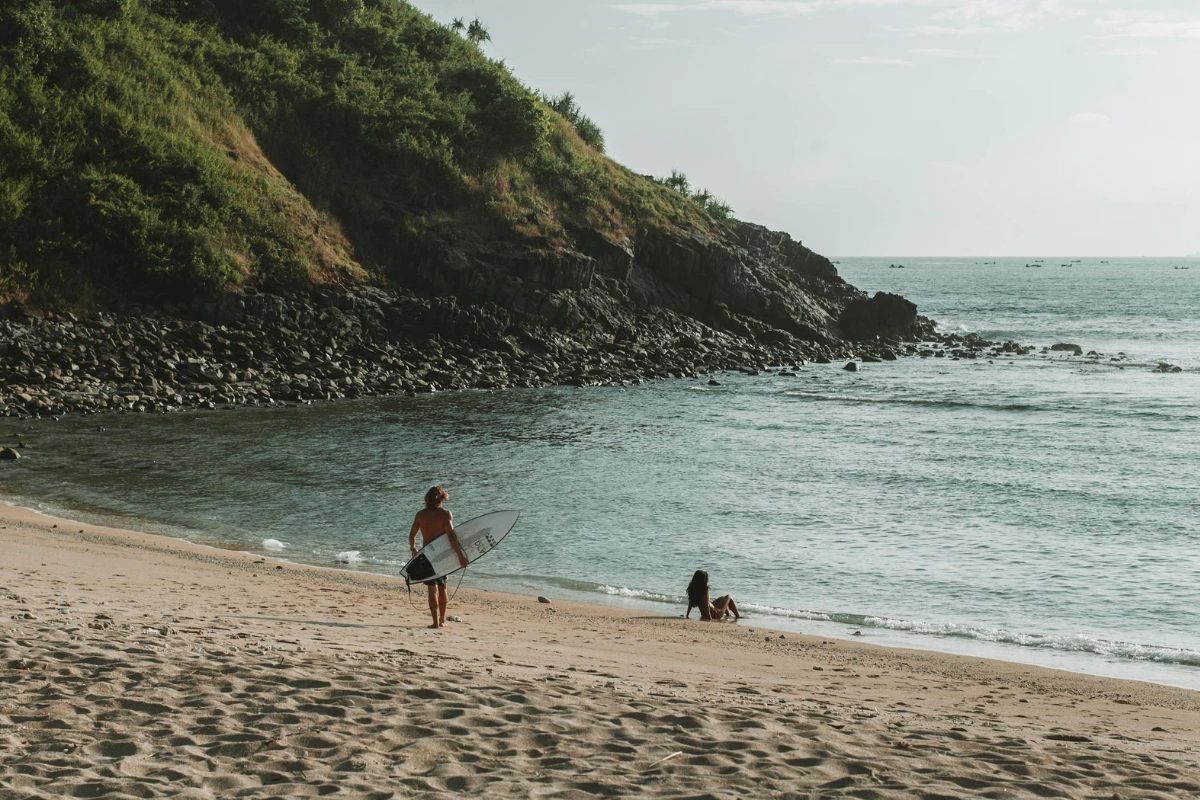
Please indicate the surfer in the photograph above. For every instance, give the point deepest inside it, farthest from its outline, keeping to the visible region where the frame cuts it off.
(433, 522)
(719, 609)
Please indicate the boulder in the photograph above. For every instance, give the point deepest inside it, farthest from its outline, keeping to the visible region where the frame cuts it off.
(884, 314)
(1065, 347)
(851, 366)
(8, 454)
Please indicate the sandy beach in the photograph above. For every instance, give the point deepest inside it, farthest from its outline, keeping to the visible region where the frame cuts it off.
(140, 666)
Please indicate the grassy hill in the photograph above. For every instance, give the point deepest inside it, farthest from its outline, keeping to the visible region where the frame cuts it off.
(160, 148)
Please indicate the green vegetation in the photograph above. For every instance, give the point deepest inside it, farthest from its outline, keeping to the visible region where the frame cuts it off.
(701, 197)
(161, 148)
(569, 110)
(475, 32)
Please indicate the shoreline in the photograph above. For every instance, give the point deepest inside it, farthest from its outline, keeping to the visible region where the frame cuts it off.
(11, 512)
(896, 639)
(278, 677)
(211, 367)
(270, 349)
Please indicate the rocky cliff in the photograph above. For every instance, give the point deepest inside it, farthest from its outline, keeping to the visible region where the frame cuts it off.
(215, 202)
(737, 277)
(157, 151)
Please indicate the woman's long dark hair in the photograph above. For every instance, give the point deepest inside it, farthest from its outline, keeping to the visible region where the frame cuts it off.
(695, 590)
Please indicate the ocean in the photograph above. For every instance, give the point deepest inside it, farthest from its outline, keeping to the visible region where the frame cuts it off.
(1039, 509)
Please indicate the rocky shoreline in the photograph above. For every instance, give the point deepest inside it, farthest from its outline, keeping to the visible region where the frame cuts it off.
(261, 349)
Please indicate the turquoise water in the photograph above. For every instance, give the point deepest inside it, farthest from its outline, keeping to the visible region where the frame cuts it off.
(1039, 509)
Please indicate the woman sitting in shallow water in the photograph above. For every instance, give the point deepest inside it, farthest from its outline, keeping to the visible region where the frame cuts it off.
(718, 609)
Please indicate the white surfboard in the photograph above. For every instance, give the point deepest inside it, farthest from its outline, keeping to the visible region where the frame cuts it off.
(476, 537)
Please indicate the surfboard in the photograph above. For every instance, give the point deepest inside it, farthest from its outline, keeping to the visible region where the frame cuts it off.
(476, 537)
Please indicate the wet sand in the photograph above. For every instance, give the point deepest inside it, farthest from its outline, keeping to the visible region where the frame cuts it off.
(138, 666)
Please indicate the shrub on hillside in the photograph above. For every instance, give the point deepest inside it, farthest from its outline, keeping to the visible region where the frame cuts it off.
(569, 110)
(718, 209)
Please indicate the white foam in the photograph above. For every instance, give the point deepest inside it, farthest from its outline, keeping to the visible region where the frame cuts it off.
(625, 591)
(349, 557)
(274, 545)
(1071, 643)
(789, 613)
(1077, 643)
(952, 326)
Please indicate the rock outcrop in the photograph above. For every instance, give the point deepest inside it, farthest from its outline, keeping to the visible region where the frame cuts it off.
(883, 315)
(741, 278)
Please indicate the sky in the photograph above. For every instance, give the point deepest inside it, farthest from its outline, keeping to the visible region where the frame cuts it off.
(892, 127)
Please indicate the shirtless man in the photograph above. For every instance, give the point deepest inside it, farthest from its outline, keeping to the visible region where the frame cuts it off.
(434, 521)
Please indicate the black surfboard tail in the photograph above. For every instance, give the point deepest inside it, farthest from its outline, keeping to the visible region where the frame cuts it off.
(419, 569)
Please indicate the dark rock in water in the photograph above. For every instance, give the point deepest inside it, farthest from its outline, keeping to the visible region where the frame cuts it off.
(883, 314)
(1167, 368)
(8, 454)
(870, 359)
(851, 366)
(714, 383)
(1065, 347)
(889, 355)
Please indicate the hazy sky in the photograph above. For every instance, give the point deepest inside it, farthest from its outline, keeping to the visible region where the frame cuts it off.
(893, 127)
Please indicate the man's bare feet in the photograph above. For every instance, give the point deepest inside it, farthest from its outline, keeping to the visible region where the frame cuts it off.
(434, 626)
